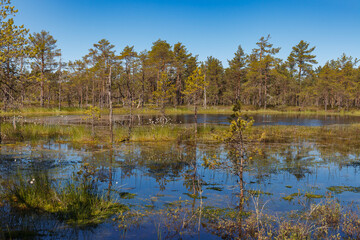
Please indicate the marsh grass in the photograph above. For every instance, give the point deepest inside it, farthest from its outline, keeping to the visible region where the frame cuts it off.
(334, 134)
(34, 132)
(348, 134)
(153, 110)
(38, 111)
(325, 220)
(171, 132)
(78, 201)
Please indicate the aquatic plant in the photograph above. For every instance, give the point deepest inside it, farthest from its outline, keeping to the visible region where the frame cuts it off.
(35, 132)
(78, 201)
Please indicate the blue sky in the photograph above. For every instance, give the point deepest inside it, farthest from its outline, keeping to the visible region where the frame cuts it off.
(205, 27)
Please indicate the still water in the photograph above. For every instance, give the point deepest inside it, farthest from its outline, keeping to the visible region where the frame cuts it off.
(260, 119)
(153, 176)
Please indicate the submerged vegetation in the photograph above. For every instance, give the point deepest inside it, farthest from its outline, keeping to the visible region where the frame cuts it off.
(324, 220)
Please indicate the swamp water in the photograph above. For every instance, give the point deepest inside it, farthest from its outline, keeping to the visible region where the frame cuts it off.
(260, 119)
(164, 183)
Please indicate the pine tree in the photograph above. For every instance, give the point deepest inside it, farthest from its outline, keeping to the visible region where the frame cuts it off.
(301, 57)
(13, 51)
(164, 92)
(236, 75)
(43, 51)
(101, 57)
(194, 86)
(215, 76)
(161, 56)
(261, 62)
(181, 57)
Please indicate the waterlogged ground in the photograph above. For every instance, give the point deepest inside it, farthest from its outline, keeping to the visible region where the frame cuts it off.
(260, 119)
(150, 177)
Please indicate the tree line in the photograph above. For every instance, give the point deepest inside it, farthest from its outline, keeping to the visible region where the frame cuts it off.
(32, 72)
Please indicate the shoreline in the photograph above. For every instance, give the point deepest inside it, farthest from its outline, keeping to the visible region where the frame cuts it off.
(225, 110)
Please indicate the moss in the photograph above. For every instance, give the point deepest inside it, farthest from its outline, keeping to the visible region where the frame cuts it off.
(194, 196)
(258, 192)
(210, 213)
(341, 189)
(311, 195)
(291, 196)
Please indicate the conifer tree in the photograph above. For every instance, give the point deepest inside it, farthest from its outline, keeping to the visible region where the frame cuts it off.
(43, 51)
(194, 86)
(261, 62)
(236, 74)
(301, 57)
(164, 92)
(13, 51)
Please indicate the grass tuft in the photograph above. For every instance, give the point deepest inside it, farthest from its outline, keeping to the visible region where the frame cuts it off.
(77, 202)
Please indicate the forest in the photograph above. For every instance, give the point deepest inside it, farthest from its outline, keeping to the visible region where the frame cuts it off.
(107, 146)
(33, 73)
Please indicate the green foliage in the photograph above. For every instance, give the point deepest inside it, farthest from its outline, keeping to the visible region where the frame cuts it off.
(92, 113)
(165, 91)
(195, 84)
(13, 50)
(77, 202)
(214, 72)
(31, 70)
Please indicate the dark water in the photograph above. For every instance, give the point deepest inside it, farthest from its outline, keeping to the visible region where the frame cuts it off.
(160, 174)
(260, 119)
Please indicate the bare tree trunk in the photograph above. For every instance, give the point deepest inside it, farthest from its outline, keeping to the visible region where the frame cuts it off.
(42, 90)
(143, 91)
(178, 90)
(265, 91)
(111, 110)
(195, 115)
(205, 100)
(326, 102)
(60, 85)
(49, 95)
(93, 92)
(87, 95)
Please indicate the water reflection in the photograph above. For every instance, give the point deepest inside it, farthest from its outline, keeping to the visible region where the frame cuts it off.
(154, 175)
(260, 119)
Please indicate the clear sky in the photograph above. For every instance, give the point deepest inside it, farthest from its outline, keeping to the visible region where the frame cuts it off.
(205, 27)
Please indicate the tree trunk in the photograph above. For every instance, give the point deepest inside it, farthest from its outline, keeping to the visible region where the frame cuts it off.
(42, 90)
(265, 92)
(195, 115)
(111, 110)
(205, 101)
(93, 92)
(60, 96)
(60, 84)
